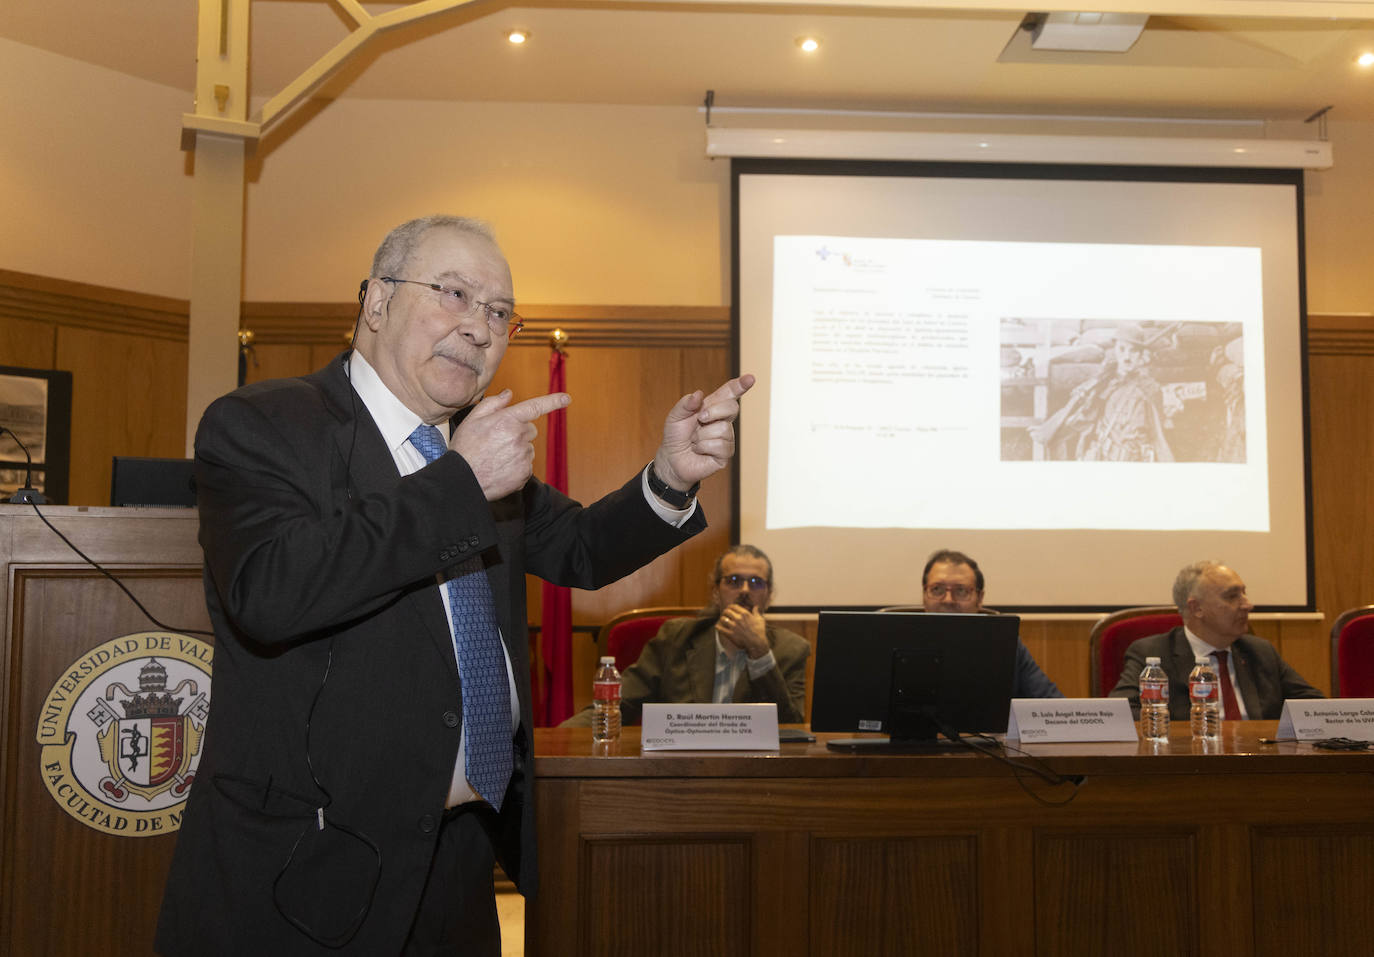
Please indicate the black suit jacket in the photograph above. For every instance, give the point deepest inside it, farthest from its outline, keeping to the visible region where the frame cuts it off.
(335, 682)
(1263, 679)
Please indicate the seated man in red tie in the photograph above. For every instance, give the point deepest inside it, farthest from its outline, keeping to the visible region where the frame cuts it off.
(1254, 680)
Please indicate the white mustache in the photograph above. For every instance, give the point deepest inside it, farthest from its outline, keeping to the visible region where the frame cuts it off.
(472, 363)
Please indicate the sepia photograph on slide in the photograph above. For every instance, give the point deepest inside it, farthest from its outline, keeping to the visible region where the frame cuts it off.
(1100, 390)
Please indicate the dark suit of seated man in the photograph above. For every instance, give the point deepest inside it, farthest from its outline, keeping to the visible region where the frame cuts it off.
(729, 654)
(1216, 620)
(953, 582)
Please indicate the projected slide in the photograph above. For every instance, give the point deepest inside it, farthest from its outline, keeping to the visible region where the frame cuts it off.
(1084, 377)
(1057, 385)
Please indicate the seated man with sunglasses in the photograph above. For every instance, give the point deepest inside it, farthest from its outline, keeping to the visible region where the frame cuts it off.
(729, 654)
(953, 583)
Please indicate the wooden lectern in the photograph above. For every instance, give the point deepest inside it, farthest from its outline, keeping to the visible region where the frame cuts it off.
(81, 876)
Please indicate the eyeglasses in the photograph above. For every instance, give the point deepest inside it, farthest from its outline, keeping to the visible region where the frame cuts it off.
(960, 592)
(752, 582)
(457, 301)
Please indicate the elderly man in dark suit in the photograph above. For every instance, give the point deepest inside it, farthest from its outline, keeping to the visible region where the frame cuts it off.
(1254, 680)
(367, 530)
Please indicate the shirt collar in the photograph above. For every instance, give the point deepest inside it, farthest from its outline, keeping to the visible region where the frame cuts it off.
(1200, 647)
(393, 419)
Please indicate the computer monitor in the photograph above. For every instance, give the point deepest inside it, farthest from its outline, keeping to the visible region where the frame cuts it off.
(913, 676)
(135, 480)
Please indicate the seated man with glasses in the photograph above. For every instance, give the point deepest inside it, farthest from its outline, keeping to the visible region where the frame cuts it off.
(953, 582)
(728, 654)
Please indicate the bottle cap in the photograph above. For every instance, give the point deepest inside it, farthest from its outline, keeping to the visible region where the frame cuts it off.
(1202, 660)
(1152, 660)
(608, 659)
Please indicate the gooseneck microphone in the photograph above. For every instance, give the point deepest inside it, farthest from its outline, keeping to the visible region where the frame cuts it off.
(27, 495)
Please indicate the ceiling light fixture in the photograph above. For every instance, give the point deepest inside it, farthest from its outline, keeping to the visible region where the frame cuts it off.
(518, 36)
(1365, 59)
(808, 44)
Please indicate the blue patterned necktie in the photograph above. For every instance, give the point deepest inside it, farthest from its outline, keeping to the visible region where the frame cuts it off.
(481, 662)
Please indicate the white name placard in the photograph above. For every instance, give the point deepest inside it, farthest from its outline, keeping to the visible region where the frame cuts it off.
(710, 727)
(1313, 720)
(1071, 719)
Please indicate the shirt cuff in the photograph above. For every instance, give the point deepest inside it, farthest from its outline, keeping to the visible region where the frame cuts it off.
(676, 517)
(760, 666)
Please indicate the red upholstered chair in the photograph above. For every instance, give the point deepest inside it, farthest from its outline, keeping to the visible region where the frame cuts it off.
(1113, 634)
(625, 635)
(1352, 654)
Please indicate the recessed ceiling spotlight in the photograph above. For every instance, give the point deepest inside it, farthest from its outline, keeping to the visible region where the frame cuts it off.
(1365, 59)
(518, 36)
(808, 44)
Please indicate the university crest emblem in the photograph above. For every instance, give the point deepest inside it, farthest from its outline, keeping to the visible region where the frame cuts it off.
(121, 732)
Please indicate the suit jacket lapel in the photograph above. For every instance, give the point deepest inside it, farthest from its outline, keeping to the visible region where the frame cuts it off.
(1244, 677)
(1183, 658)
(701, 664)
(371, 469)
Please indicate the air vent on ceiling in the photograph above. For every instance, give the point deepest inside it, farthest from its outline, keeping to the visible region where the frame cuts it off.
(1088, 32)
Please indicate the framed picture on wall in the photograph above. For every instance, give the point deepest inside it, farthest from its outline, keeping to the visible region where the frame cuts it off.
(36, 409)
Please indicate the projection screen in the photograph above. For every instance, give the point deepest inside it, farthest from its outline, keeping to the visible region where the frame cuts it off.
(1083, 376)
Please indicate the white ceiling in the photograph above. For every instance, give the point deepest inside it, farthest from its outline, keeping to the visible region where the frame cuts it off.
(898, 55)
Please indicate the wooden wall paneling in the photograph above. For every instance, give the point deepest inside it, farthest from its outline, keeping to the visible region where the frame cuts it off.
(781, 916)
(1341, 395)
(277, 361)
(1226, 878)
(128, 398)
(1306, 645)
(895, 895)
(1082, 880)
(687, 895)
(1060, 648)
(1309, 875)
(1006, 869)
(27, 343)
(615, 422)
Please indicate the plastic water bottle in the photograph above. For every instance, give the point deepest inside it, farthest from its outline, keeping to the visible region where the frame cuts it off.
(1154, 702)
(1204, 696)
(606, 702)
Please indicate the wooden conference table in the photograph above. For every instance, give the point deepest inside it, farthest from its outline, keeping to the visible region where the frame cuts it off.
(1256, 849)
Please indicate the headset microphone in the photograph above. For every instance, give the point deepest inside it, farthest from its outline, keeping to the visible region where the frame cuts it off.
(362, 291)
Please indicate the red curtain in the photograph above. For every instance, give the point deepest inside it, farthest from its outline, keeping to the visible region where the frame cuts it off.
(554, 696)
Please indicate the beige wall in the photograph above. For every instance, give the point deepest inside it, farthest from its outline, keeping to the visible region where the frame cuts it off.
(1340, 207)
(594, 204)
(612, 205)
(93, 186)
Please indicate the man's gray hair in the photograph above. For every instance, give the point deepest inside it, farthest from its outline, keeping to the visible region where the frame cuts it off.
(1185, 585)
(394, 252)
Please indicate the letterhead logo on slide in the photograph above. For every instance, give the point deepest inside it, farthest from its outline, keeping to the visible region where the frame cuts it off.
(847, 259)
(127, 774)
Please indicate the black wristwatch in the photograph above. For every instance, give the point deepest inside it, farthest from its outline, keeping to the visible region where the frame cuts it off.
(671, 495)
